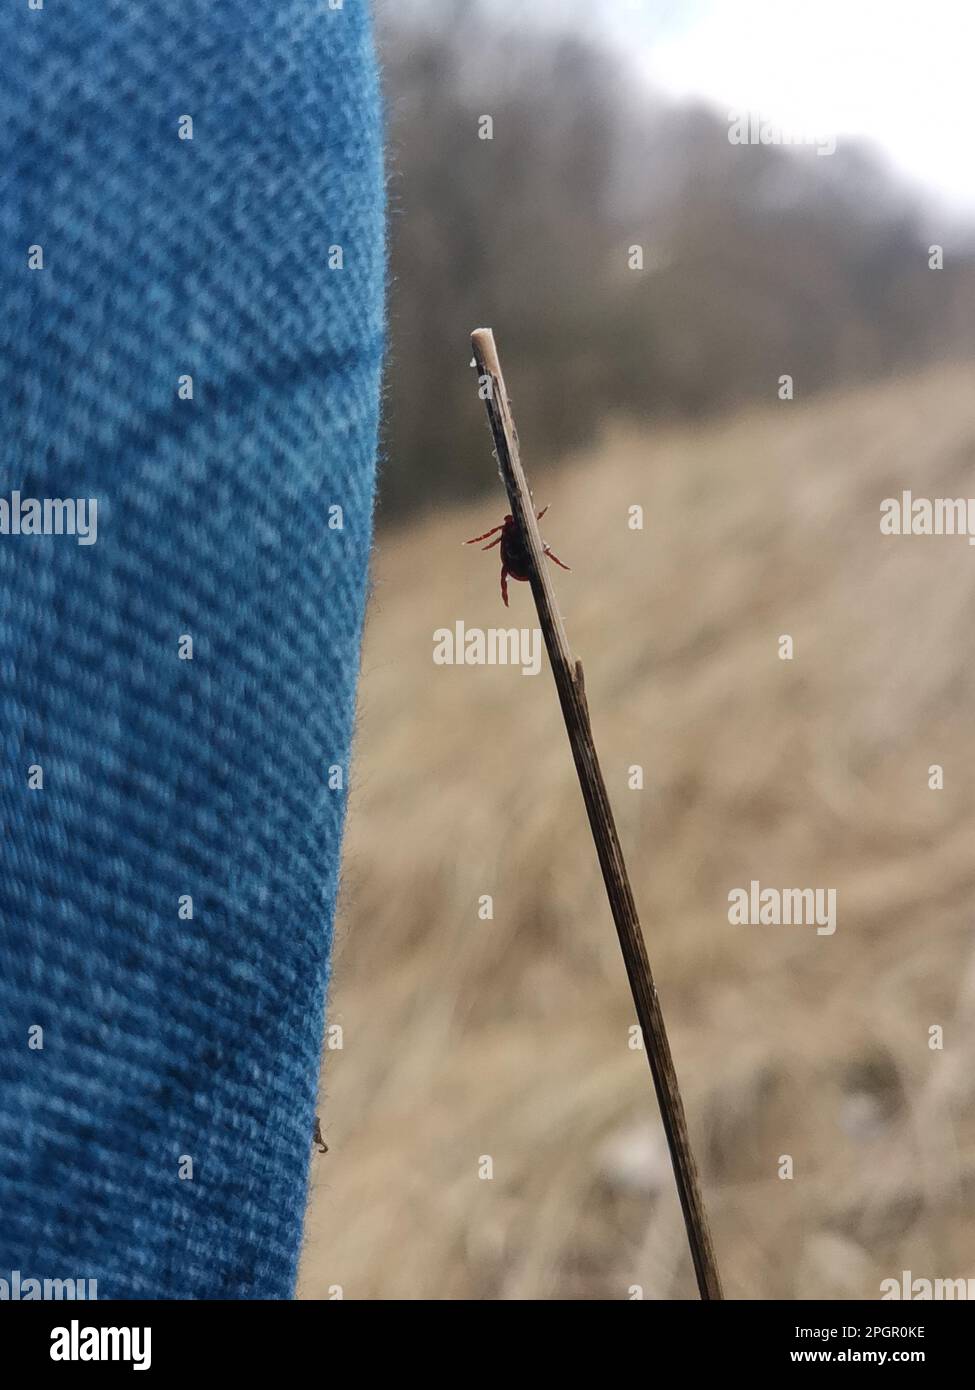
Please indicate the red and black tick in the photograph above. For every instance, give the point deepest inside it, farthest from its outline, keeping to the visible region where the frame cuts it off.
(515, 559)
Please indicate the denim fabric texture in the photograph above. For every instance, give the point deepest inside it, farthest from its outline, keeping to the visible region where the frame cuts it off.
(168, 1038)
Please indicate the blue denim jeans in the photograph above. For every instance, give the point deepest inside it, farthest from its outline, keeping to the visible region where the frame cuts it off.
(192, 261)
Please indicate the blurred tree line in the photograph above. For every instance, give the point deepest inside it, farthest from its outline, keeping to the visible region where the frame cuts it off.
(757, 260)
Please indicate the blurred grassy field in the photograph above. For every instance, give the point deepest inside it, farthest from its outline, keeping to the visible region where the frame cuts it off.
(509, 1037)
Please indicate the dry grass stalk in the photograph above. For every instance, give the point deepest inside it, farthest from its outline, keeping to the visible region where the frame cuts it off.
(575, 711)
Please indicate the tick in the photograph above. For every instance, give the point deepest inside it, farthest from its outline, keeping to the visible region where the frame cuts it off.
(515, 559)
(317, 1136)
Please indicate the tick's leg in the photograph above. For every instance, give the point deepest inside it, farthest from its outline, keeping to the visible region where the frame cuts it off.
(556, 559)
(474, 539)
(490, 545)
(504, 585)
(539, 515)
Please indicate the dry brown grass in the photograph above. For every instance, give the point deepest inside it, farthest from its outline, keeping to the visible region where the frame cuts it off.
(509, 1037)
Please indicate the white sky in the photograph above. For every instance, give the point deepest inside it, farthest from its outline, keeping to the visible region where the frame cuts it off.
(897, 73)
